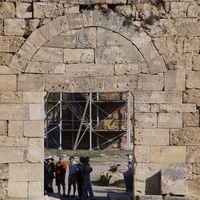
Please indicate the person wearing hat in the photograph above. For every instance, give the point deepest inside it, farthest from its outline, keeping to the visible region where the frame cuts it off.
(73, 169)
(61, 168)
(49, 173)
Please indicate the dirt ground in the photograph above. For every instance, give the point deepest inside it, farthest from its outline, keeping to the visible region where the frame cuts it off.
(99, 164)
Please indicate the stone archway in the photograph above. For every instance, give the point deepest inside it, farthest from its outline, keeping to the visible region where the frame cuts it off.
(86, 63)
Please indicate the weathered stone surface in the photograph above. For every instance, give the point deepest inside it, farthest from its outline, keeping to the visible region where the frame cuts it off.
(33, 97)
(118, 55)
(150, 197)
(24, 10)
(49, 55)
(188, 27)
(175, 80)
(193, 154)
(15, 128)
(7, 10)
(5, 58)
(36, 111)
(11, 155)
(196, 61)
(133, 68)
(186, 136)
(192, 96)
(179, 9)
(168, 154)
(10, 43)
(78, 55)
(155, 108)
(26, 172)
(157, 97)
(99, 19)
(3, 128)
(4, 176)
(75, 20)
(151, 82)
(47, 9)
(20, 192)
(14, 27)
(178, 108)
(12, 141)
(141, 108)
(173, 181)
(157, 65)
(35, 151)
(27, 50)
(14, 112)
(36, 190)
(34, 129)
(193, 10)
(191, 119)
(146, 120)
(193, 80)
(142, 154)
(61, 24)
(5, 70)
(170, 120)
(151, 136)
(71, 8)
(1, 27)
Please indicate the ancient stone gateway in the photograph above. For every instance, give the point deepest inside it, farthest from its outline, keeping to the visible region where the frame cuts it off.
(93, 51)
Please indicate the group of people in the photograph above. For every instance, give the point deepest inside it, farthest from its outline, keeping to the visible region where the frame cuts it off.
(78, 175)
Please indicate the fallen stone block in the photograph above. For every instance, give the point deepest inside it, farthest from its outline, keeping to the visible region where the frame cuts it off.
(150, 197)
(118, 196)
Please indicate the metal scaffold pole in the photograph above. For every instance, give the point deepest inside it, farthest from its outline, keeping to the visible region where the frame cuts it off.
(60, 124)
(128, 120)
(90, 121)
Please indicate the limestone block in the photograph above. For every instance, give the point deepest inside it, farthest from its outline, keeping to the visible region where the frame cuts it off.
(145, 120)
(11, 97)
(11, 154)
(173, 181)
(34, 128)
(170, 120)
(115, 22)
(35, 150)
(189, 27)
(193, 10)
(192, 96)
(14, 27)
(6, 141)
(75, 20)
(155, 108)
(3, 128)
(10, 43)
(33, 97)
(191, 119)
(27, 50)
(176, 198)
(47, 54)
(141, 108)
(15, 128)
(109, 38)
(151, 82)
(36, 39)
(193, 80)
(7, 10)
(67, 40)
(151, 136)
(139, 187)
(20, 191)
(170, 108)
(5, 58)
(196, 61)
(133, 68)
(150, 197)
(4, 176)
(157, 97)
(149, 52)
(142, 154)
(7, 70)
(78, 55)
(118, 55)
(118, 83)
(179, 9)
(61, 24)
(125, 10)
(71, 8)
(99, 19)
(23, 10)
(186, 136)
(14, 112)
(36, 111)
(32, 24)
(26, 172)
(157, 65)
(87, 18)
(36, 190)
(175, 80)
(168, 154)
(193, 154)
(47, 9)
(191, 45)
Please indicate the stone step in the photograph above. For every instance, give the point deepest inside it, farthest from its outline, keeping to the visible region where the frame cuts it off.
(150, 197)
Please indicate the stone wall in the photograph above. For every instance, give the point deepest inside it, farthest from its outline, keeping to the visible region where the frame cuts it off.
(148, 47)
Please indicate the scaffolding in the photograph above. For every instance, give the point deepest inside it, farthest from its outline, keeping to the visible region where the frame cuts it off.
(70, 117)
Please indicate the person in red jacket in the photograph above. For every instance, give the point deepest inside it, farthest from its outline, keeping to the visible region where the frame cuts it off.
(61, 168)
